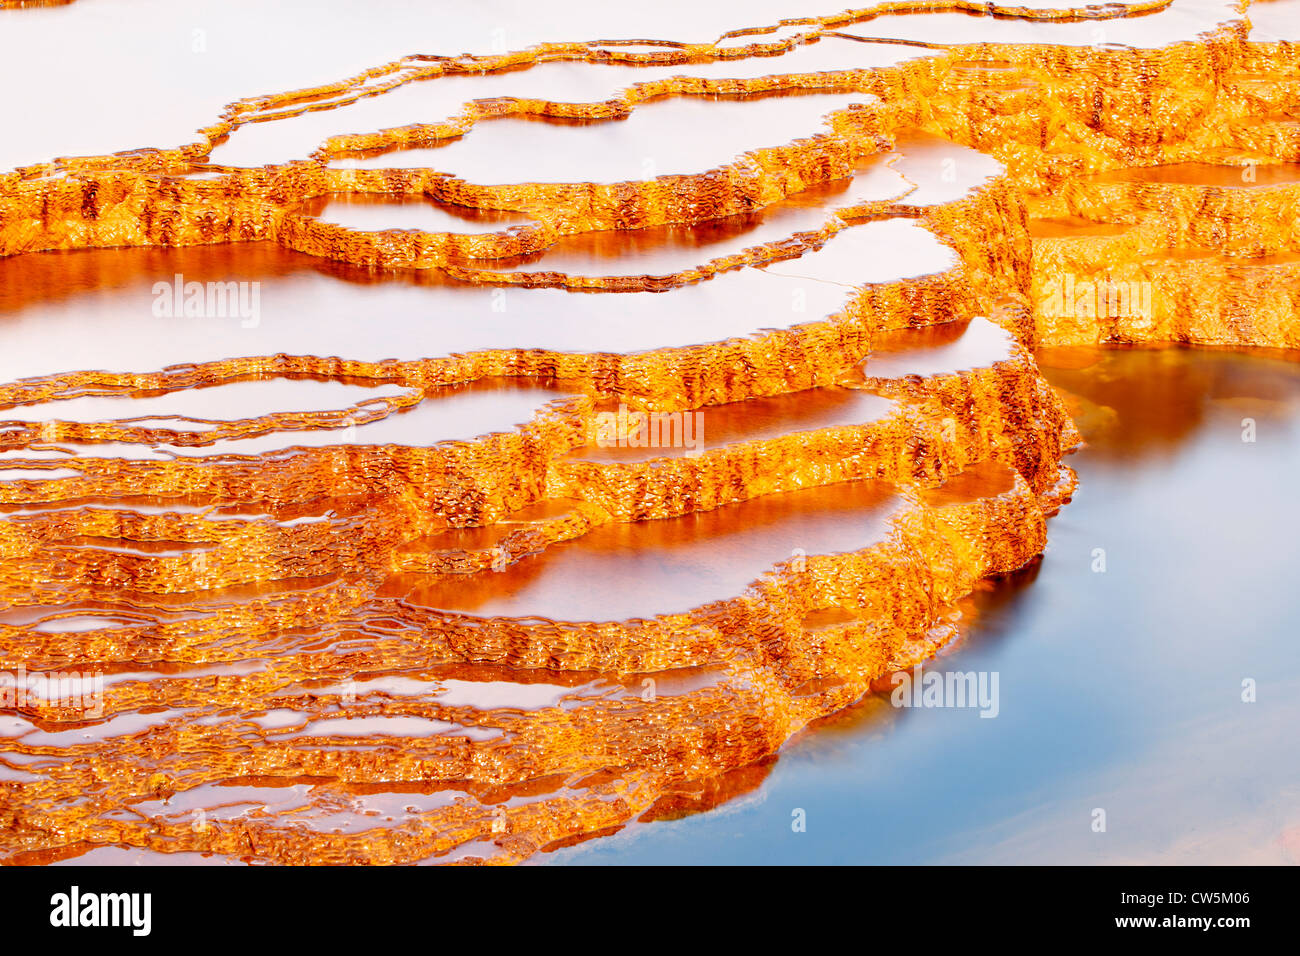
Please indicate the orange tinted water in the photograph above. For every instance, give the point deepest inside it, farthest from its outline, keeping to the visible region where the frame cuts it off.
(624, 571)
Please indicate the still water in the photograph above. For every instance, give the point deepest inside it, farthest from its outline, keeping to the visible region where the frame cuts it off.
(1120, 690)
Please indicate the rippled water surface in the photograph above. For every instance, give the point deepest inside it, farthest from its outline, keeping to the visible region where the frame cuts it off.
(1119, 690)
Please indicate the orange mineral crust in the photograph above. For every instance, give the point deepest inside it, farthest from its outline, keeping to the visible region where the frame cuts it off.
(487, 452)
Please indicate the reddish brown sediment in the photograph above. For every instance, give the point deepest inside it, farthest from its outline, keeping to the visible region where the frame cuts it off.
(330, 636)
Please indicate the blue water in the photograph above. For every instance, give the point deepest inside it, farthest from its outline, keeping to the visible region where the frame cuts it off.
(1119, 690)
